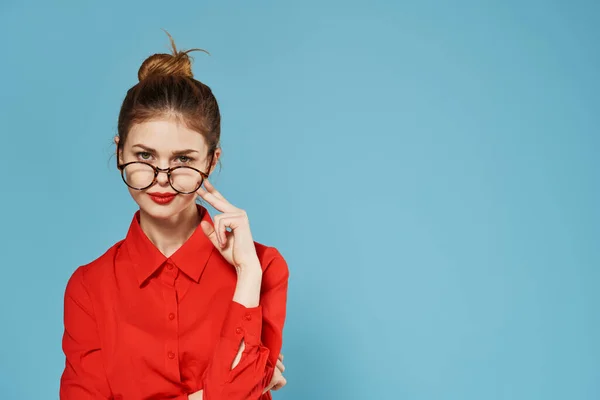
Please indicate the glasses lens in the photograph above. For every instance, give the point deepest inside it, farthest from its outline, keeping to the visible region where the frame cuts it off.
(186, 180)
(138, 175)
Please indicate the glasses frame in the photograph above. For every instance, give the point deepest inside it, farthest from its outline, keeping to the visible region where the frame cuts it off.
(158, 170)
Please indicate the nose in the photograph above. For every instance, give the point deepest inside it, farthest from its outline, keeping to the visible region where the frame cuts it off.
(162, 178)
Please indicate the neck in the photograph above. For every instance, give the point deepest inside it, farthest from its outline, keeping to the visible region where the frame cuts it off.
(168, 235)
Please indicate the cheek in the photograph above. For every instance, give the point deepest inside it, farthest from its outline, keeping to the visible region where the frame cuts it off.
(141, 198)
(136, 194)
(187, 198)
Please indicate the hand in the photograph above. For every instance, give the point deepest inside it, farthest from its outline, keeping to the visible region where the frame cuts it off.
(278, 381)
(237, 246)
(197, 395)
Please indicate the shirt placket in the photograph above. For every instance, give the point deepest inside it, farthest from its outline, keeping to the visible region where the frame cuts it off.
(171, 319)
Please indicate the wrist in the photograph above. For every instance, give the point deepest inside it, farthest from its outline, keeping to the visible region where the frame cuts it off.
(247, 290)
(250, 268)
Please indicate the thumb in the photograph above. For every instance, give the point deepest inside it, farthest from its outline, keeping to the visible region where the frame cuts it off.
(265, 390)
(209, 231)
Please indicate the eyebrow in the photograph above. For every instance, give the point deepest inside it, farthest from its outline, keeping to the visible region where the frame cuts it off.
(175, 152)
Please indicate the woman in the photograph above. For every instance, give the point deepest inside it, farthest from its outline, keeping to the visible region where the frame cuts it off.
(182, 308)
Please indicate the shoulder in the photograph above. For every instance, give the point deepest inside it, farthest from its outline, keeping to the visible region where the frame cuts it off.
(84, 277)
(272, 262)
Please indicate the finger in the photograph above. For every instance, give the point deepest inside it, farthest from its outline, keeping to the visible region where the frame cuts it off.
(208, 187)
(281, 383)
(219, 204)
(274, 379)
(210, 232)
(269, 387)
(281, 356)
(232, 222)
(280, 366)
(276, 384)
(220, 228)
(211, 189)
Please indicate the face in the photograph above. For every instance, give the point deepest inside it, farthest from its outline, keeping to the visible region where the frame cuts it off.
(165, 143)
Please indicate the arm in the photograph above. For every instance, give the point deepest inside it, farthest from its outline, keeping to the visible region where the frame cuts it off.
(84, 376)
(246, 355)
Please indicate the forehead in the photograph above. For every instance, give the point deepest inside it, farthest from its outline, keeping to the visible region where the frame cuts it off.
(165, 135)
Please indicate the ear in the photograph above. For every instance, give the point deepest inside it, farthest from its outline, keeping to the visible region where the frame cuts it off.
(215, 160)
(117, 139)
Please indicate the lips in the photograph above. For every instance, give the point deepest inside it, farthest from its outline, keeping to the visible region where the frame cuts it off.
(162, 198)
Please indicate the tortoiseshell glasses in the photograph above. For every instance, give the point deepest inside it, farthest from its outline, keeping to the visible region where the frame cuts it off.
(140, 175)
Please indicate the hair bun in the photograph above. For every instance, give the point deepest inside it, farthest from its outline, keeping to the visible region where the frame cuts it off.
(178, 63)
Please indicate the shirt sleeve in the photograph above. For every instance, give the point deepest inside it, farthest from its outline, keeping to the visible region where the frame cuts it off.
(261, 328)
(84, 376)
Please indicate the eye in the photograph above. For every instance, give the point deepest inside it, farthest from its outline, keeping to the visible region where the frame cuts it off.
(184, 159)
(143, 155)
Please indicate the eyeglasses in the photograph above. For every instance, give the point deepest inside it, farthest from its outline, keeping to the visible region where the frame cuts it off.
(139, 175)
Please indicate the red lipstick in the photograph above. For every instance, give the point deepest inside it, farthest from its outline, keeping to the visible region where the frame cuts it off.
(162, 198)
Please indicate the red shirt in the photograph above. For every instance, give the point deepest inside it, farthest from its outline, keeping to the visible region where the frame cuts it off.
(139, 325)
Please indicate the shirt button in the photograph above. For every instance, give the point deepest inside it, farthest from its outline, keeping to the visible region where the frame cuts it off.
(169, 267)
(171, 316)
(171, 355)
(248, 317)
(238, 330)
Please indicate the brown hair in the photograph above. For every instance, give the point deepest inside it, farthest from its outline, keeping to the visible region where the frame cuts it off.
(167, 88)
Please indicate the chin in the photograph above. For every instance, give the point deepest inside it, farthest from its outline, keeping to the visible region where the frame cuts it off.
(160, 212)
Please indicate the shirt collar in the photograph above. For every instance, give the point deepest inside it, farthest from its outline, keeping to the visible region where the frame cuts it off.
(191, 258)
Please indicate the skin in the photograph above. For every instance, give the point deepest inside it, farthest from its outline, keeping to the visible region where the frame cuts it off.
(160, 142)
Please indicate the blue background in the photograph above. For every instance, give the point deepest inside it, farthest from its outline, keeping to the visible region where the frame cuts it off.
(428, 169)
